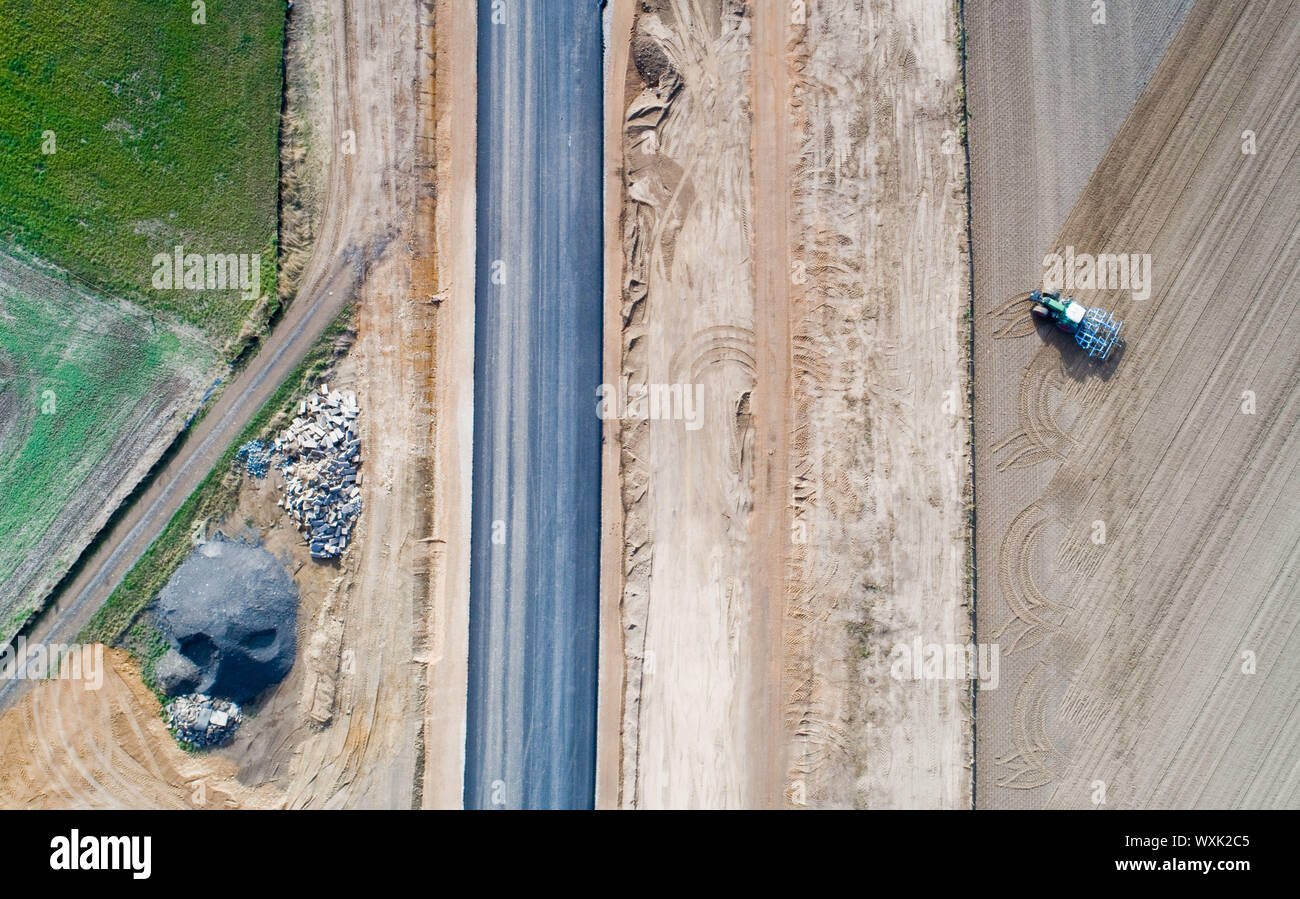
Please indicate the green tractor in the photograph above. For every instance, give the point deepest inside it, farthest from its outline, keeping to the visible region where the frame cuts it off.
(1093, 329)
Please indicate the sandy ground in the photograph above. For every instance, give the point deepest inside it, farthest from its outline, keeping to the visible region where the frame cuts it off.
(373, 714)
(107, 749)
(688, 310)
(1149, 665)
(802, 262)
(380, 632)
(610, 661)
(370, 671)
(453, 424)
(879, 464)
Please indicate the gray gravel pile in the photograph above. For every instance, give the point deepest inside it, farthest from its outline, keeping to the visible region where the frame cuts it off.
(230, 615)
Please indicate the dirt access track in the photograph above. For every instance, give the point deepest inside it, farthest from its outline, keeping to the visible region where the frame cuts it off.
(785, 240)
(1138, 521)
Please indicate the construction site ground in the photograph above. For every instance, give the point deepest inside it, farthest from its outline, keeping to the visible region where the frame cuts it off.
(352, 726)
(64, 746)
(786, 227)
(788, 233)
(1137, 560)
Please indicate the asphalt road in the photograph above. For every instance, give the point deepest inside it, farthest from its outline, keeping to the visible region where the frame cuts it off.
(534, 573)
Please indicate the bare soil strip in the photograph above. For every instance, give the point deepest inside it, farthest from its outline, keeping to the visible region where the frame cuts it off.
(65, 747)
(450, 476)
(688, 314)
(610, 694)
(770, 526)
(879, 441)
(377, 624)
(792, 234)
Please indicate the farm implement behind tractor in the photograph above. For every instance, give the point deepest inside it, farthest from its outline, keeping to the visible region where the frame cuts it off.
(1094, 329)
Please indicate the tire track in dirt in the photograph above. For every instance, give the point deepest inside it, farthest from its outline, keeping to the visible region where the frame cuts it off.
(1026, 767)
(878, 458)
(1016, 562)
(72, 747)
(841, 193)
(770, 156)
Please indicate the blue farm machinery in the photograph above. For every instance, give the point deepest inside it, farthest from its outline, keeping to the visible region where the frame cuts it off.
(1095, 330)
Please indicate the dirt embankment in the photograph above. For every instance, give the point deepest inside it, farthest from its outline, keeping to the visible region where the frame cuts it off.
(792, 228)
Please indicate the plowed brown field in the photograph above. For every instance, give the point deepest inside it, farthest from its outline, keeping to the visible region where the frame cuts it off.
(1139, 521)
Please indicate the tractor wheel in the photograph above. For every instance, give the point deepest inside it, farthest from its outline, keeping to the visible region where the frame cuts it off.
(1039, 310)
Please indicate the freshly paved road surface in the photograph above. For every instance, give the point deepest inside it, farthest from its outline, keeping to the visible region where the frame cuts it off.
(534, 575)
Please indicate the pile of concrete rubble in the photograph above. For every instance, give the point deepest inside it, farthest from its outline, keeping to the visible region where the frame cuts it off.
(321, 452)
(256, 457)
(202, 721)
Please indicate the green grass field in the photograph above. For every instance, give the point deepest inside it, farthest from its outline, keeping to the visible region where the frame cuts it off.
(126, 128)
(164, 132)
(79, 400)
